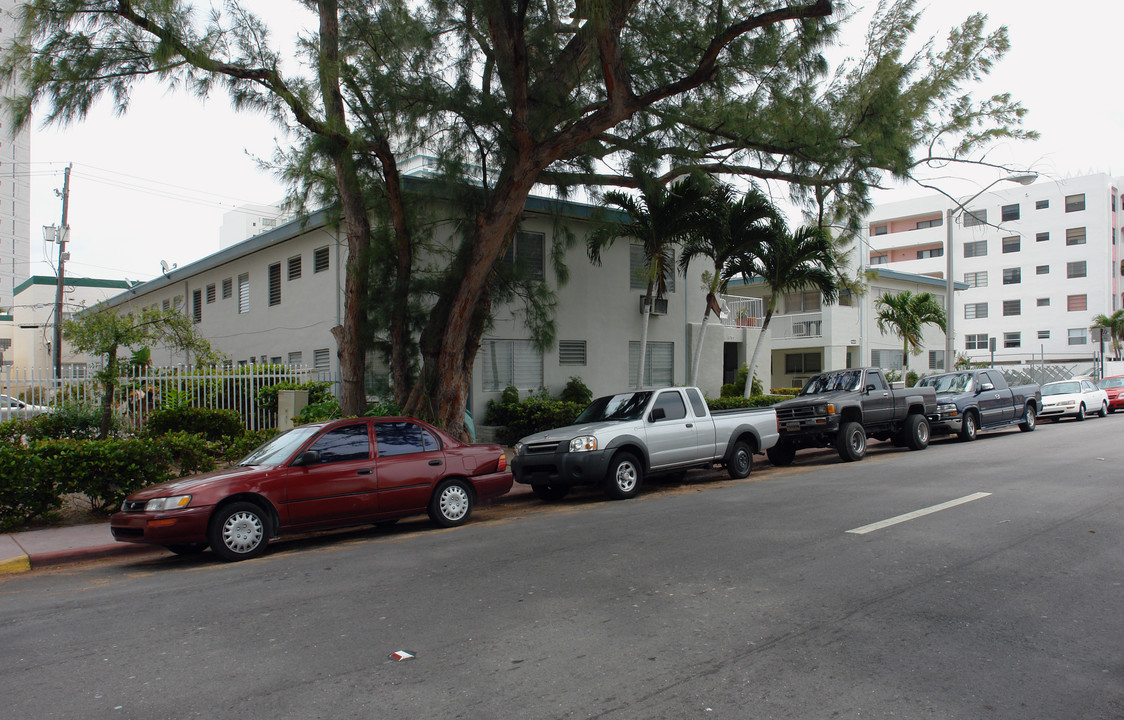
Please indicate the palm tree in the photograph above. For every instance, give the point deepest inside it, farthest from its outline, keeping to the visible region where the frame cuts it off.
(790, 261)
(1114, 323)
(661, 218)
(906, 315)
(733, 229)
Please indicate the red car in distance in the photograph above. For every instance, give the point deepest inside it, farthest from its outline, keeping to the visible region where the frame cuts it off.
(343, 472)
(1114, 386)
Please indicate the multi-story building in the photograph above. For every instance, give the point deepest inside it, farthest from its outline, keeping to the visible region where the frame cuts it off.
(15, 190)
(1039, 261)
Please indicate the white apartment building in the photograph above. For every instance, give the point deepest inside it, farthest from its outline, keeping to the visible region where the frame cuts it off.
(15, 192)
(275, 297)
(806, 336)
(246, 221)
(1039, 263)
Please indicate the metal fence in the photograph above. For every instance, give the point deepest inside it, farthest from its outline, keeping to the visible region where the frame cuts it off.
(140, 390)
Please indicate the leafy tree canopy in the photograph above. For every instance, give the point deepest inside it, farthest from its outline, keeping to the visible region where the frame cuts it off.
(513, 93)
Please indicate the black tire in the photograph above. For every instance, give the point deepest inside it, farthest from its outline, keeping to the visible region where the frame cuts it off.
(1030, 419)
(850, 443)
(187, 548)
(740, 464)
(624, 477)
(451, 503)
(239, 531)
(1081, 412)
(1104, 409)
(782, 454)
(969, 428)
(917, 431)
(550, 493)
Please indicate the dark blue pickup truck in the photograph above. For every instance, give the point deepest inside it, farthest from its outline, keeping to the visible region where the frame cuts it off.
(969, 401)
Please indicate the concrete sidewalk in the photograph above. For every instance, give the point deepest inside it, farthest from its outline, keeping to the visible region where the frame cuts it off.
(35, 549)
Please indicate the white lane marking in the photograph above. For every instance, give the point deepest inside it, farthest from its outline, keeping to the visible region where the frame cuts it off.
(917, 513)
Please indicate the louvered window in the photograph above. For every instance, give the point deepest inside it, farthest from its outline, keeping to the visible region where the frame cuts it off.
(294, 267)
(510, 362)
(227, 288)
(210, 293)
(320, 260)
(571, 352)
(244, 293)
(528, 251)
(659, 363)
(275, 284)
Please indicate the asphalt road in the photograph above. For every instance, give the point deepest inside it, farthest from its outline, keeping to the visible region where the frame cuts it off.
(715, 599)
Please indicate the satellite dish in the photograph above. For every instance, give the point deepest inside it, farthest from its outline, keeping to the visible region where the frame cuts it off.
(165, 268)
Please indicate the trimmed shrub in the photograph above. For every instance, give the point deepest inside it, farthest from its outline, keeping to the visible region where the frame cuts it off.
(729, 403)
(71, 420)
(191, 453)
(510, 395)
(329, 409)
(383, 408)
(211, 424)
(791, 391)
(26, 493)
(104, 470)
(12, 432)
(236, 448)
(530, 416)
(576, 392)
(736, 388)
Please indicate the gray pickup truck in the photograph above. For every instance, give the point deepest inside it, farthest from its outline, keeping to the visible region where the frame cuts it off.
(969, 401)
(842, 408)
(619, 439)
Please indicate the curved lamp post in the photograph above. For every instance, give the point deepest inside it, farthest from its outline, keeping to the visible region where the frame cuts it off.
(950, 310)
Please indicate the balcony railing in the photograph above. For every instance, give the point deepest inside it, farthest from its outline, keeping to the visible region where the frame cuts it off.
(797, 326)
(743, 311)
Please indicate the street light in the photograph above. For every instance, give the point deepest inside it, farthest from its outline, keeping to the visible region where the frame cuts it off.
(950, 310)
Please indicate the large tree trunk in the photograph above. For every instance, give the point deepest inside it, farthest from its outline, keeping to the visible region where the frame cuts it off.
(350, 338)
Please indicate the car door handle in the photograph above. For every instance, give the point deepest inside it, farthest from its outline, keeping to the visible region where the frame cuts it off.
(690, 424)
(434, 462)
(364, 471)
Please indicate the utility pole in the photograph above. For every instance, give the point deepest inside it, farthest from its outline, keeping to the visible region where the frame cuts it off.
(64, 231)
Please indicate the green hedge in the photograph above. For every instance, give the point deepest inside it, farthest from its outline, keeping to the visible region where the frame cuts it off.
(26, 491)
(729, 403)
(211, 424)
(530, 416)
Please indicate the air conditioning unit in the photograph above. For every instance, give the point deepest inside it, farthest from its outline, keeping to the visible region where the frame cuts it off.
(659, 306)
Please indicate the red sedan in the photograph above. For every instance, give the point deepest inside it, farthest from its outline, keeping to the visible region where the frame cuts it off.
(343, 472)
(1114, 386)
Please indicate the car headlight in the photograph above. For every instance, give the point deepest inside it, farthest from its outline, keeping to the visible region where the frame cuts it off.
(824, 409)
(949, 409)
(518, 448)
(167, 503)
(585, 443)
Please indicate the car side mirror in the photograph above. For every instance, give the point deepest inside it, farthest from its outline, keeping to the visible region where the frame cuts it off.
(869, 389)
(308, 457)
(657, 414)
(986, 386)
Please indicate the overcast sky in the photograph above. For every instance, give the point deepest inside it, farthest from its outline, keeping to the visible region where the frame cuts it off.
(153, 184)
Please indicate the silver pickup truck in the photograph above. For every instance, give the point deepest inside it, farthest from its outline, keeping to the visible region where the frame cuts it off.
(620, 439)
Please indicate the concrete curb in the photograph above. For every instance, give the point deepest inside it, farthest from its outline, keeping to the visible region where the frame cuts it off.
(73, 555)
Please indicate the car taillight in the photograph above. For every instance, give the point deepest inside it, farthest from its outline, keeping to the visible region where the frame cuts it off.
(502, 465)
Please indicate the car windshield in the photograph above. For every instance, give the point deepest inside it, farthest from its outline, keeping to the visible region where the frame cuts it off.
(1061, 388)
(833, 382)
(626, 406)
(1112, 382)
(954, 383)
(279, 448)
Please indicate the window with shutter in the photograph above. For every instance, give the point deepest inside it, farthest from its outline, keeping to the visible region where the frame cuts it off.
(275, 284)
(243, 293)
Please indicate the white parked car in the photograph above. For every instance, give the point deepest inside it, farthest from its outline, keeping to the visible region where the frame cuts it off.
(11, 408)
(1074, 398)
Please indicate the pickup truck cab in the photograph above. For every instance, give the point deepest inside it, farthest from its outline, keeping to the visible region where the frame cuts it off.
(969, 401)
(619, 439)
(842, 408)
